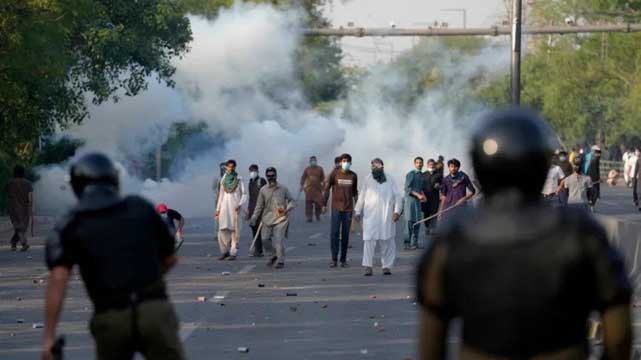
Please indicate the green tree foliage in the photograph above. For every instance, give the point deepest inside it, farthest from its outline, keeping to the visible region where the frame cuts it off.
(587, 86)
(56, 53)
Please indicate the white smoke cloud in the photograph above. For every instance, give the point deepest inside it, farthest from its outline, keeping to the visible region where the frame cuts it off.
(239, 80)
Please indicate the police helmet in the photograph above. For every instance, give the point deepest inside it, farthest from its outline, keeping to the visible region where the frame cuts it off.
(93, 169)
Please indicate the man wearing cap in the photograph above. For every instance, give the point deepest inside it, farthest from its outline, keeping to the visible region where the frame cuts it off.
(312, 183)
(273, 206)
(379, 205)
(170, 217)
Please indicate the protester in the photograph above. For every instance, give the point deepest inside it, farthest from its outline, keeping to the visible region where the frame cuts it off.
(232, 198)
(311, 182)
(629, 162)
(551, 185)
(255, 184)
(170, 217)
(636, 179)
(577, 186)
(454, 191)
(594, 172)
(522, 277)
(20, 206)
(379, 206)
(432, 180)
(343, 187)
(123, 250)
(273, 206)
(440, 165)
(412, 204)
(567, 168)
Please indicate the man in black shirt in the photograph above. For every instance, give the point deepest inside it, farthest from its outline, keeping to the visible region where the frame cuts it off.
(170, 217)
(123, 249)
(594, 172)
(255, 184)
(432, 189)
(523, 278)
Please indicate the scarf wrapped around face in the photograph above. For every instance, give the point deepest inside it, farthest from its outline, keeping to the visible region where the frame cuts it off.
(230, 182)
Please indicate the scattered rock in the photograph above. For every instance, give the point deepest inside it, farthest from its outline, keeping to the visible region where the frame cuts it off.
(201, 299)
(222, 304)
(38, 325)
(225, 273)
(243, 349)
(324, 306)
(372, 297)
(292, 294)
(19, 298)
(376, 324)
(293, 308)
(41, 281)
(261, 285)
(364, 351)
(12, 334)
(35, 281)
(20, 321)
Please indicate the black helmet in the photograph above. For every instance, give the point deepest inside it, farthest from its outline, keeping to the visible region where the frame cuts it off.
(93, 169)
(512, 149)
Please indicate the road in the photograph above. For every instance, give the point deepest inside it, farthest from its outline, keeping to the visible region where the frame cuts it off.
(335, 313)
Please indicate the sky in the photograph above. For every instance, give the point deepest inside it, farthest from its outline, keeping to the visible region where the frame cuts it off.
(404, 13)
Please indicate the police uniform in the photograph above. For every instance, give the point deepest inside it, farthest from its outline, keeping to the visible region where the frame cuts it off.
(522, 277)
(120, 246)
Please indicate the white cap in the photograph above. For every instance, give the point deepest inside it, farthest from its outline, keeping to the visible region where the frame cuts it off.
(596, 148)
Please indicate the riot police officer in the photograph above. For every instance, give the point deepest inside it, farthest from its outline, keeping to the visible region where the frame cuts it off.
(522, 277)
(122, 248)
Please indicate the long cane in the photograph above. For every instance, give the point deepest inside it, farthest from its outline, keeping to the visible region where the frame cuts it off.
(440, 212)
(260, 226)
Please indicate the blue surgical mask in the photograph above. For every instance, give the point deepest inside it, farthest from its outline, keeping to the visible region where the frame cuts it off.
(345, 166)
(253, 174)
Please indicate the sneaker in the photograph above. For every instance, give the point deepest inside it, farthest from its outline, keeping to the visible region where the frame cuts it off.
(231, 258)
(272, 261)
(344, 264)
(333, 264)
(223, 256)
(387, 271)
(280, 265)
(368, 271)
(25, 247)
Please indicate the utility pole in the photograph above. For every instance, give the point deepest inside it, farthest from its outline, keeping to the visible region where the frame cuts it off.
(516, 52)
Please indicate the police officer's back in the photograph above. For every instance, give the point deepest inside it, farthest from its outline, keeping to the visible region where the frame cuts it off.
(122, 248)
(522, 277)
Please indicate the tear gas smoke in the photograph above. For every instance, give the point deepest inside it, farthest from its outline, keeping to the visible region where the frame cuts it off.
(239, 80)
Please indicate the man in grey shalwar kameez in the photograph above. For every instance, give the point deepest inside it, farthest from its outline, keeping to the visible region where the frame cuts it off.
(412, 209)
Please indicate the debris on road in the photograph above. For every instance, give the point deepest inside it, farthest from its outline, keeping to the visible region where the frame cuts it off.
(293, 308)
(201, 299)
(38, 325)
(311, 244)
(261, 285)
(20, 321)
(372, 297)
(364, 351)
(292, 294)
(324, 306)
(243, 349)
(225, 273)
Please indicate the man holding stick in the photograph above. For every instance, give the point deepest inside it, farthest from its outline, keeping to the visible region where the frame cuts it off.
(454, 192)
(273, 206)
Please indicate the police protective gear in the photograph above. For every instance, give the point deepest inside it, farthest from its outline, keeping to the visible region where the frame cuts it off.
(512, 150)
(93, 170)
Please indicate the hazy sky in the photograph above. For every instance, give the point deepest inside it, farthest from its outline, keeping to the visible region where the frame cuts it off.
(404, 13)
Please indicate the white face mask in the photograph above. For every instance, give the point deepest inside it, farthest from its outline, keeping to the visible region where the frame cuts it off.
(253, 174)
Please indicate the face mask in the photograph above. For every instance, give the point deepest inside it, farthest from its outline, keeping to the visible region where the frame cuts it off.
(312, 163)
(562, 158)
(345, 166)
(430, 169)
(253, 174)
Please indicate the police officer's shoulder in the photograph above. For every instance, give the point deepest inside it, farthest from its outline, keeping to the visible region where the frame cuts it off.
(55, 254)
(135, 202)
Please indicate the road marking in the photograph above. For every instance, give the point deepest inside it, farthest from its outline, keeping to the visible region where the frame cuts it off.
(187, 329)
(219, 296)
(247, 269)
(316, 236)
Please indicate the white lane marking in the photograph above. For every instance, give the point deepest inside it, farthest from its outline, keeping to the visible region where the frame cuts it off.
(247, 269)
(187, 329)
(219, 296)
(316, 236)
(290, 248)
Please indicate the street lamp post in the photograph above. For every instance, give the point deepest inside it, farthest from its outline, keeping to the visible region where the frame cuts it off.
(516, 52)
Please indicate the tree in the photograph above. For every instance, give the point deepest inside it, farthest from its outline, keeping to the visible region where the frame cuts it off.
(56, 53)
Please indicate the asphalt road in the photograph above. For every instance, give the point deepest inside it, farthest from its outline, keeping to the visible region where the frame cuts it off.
(336, 313)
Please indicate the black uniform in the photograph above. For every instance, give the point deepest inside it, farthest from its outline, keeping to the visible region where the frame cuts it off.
(522, 277)
(254, 189)
(120, 246)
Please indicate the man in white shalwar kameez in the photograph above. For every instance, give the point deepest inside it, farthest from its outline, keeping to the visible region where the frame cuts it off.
(379, 205)
(231, 198)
